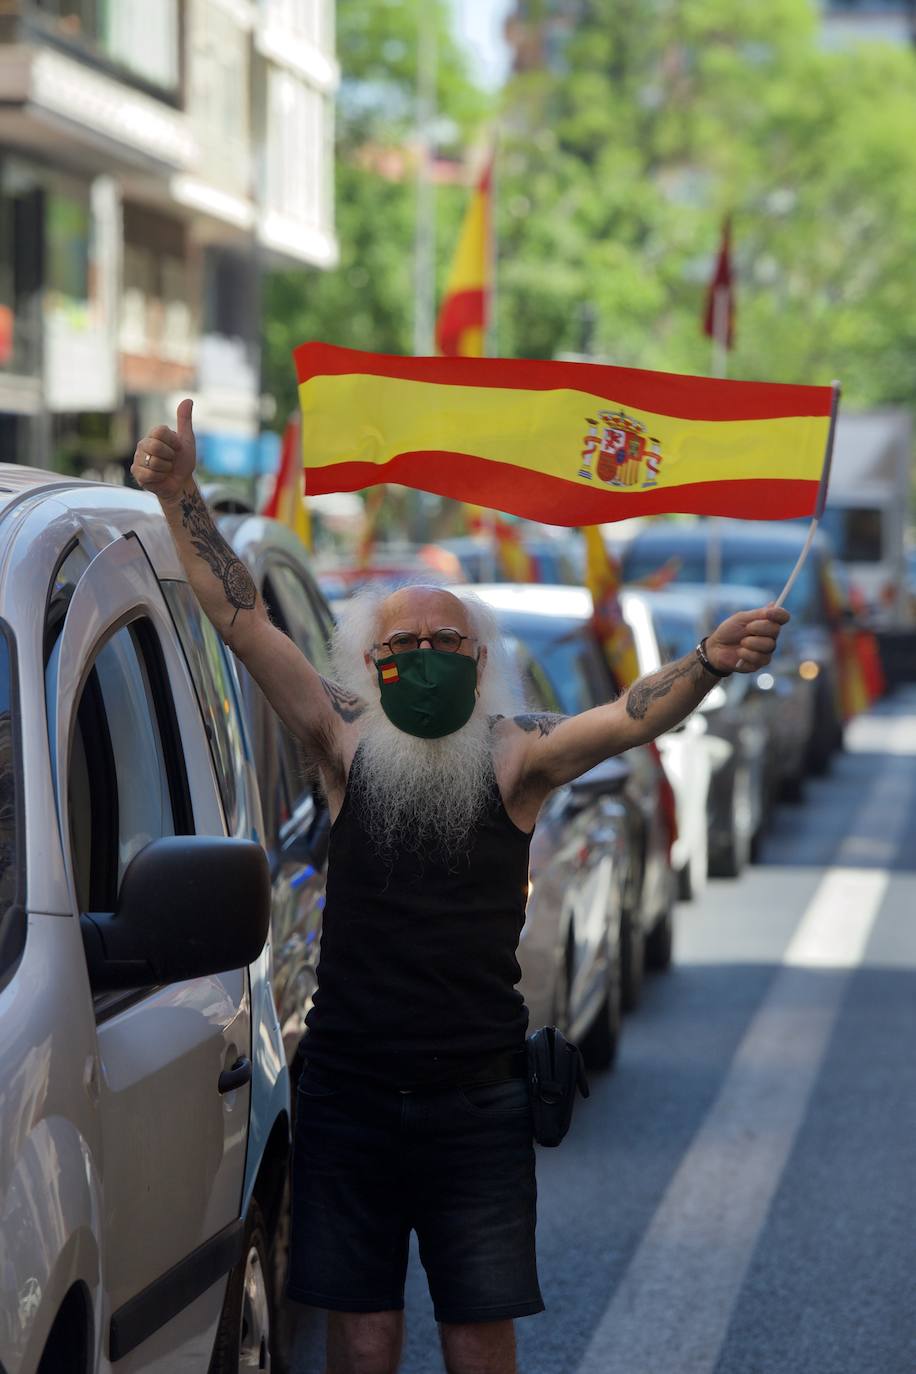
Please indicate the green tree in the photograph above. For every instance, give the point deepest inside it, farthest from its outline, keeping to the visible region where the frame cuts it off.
(662, 116)
(367, 301)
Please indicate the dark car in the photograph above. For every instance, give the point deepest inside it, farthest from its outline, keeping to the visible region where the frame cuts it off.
(296, 822)
(756, 724)
(759, 554)
(570, 674)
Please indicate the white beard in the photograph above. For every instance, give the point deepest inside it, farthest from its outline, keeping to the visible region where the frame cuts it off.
(422, 793)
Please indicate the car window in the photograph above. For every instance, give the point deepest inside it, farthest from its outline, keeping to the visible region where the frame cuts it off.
(126, 777)
(215, 685)
(287, 590)
(572, 663)
(769, 568)
(12, 896)
(292, 610)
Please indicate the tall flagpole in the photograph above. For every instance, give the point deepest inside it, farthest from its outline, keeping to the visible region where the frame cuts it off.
(720, 314)
(425, 231)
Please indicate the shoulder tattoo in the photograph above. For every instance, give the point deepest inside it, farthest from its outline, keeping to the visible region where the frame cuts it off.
(210, 545)
(544, 722)
(344, 704)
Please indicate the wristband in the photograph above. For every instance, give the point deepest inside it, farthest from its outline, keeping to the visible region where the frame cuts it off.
(704, 660)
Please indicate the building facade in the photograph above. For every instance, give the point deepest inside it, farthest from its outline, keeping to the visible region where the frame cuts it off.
(855, 21)
(156, 157)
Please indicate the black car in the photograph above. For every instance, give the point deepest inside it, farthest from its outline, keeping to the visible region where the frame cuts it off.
(762, 555)
(757, 724)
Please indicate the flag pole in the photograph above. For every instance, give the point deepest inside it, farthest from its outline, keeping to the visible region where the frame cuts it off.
(425, 229)
(720, 312)
(821, 496)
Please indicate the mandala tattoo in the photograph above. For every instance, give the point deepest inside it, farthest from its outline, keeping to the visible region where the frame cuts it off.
(348, 707)
(543, 722)
(643, 695)
(210, 545)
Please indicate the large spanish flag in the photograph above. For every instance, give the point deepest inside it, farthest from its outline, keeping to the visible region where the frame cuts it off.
(462, 324)
(565, 443)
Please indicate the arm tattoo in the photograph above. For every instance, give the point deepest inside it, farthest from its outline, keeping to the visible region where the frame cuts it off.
(216, 553)
(348, 707)
(642, 695)
(544, 722)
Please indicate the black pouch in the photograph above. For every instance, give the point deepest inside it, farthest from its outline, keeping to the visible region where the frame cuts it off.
(555, 1070)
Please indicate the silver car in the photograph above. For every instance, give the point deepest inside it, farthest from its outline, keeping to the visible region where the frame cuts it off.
(144, 1094)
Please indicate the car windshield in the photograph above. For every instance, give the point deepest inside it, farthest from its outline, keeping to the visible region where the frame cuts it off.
(570, 658)
(752, 568)
(676, 632)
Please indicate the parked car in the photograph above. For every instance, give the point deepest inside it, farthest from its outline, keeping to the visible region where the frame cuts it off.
(567, 672)
(144, 1099)
(760, 554)
(296, 820)
(558, 559)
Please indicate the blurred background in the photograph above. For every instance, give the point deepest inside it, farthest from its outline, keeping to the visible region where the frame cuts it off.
(189, 188)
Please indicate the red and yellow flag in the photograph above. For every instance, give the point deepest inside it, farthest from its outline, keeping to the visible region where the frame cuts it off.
(564, 443)
(515, 562)
(462, 324)
(602, 577)
(287, 500)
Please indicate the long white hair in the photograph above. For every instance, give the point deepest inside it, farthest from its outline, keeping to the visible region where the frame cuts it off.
(423, 793)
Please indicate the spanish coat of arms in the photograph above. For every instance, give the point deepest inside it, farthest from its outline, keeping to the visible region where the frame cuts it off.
(619, 451)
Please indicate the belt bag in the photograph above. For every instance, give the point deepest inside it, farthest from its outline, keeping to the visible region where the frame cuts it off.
(555, 1070)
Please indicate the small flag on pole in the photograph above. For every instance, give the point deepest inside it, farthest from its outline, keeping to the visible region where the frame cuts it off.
(719, 317)
(564, 443)
(287, 500)
(462, 324)
(602, 577)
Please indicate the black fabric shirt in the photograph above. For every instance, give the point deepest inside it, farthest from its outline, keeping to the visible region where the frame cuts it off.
(418, 970)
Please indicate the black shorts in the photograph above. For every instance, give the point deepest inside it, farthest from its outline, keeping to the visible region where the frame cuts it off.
(371, 1164)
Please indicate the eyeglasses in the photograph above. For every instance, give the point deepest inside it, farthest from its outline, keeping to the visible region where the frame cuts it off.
(447, 641)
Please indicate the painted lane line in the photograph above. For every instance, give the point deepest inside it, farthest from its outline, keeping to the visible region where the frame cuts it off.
(673, 1306)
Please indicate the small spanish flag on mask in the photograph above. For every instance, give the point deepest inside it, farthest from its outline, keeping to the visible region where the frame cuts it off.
(390, 673)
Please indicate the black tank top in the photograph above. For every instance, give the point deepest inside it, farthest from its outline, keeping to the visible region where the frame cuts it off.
(418, 971)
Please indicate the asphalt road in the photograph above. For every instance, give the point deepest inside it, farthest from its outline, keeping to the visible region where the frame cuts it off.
(739, 1196)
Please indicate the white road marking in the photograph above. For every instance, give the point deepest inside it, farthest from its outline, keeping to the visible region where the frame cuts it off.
(673, 1307)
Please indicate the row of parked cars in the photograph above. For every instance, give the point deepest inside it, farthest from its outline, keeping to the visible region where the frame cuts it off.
(162, 860)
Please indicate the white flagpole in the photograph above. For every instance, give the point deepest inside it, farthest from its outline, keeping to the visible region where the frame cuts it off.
(821, 497)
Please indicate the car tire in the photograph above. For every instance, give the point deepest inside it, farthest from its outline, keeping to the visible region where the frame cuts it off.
(729, 860)
(599, 1043)
(245, 1337)
(660, 943)
(632, 962)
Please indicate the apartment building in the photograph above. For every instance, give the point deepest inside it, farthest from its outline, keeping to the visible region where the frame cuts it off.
(846, 21)
(156, 157)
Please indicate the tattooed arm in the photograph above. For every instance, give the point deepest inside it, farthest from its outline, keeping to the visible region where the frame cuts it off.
(545, 750)
(319, 712)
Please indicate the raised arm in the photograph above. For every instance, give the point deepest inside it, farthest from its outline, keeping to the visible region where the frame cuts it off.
(315, 710)
(548, 751)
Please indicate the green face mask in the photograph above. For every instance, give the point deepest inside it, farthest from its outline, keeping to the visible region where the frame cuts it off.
(426, 692)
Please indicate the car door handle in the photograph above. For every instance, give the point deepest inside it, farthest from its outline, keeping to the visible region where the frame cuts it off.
(236, 1077)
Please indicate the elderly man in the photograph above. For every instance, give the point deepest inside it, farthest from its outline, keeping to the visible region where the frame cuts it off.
(412, 1106)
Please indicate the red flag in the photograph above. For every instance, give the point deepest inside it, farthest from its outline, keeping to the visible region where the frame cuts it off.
(719, 319)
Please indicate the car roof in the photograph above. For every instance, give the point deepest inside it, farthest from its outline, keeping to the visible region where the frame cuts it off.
(782, 536)
(534, 598)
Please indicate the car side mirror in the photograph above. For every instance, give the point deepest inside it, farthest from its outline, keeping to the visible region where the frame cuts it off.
(190, 906)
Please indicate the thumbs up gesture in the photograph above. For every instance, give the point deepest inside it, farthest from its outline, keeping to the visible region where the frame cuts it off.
(165, 458)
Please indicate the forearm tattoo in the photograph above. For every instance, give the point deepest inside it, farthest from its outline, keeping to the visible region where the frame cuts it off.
(644, 694)
(210, 545)
(348, 707)
(544, 722)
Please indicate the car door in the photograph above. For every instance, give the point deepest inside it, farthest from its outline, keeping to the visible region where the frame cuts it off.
(132, 764)
(298, 851)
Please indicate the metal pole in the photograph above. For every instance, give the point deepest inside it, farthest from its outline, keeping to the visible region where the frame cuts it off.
(425, 232)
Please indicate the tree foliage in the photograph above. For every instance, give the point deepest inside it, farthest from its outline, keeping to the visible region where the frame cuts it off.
(617, 165)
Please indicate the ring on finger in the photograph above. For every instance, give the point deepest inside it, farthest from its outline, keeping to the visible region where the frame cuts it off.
(147, 460)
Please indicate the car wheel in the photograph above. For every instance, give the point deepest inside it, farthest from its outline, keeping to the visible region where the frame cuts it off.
(632, 961)
(244, 1338)
(599, 1044)
(728, 860)
(660, 942)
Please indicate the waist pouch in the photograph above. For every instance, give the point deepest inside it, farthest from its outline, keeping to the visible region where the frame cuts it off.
(555, 1070)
